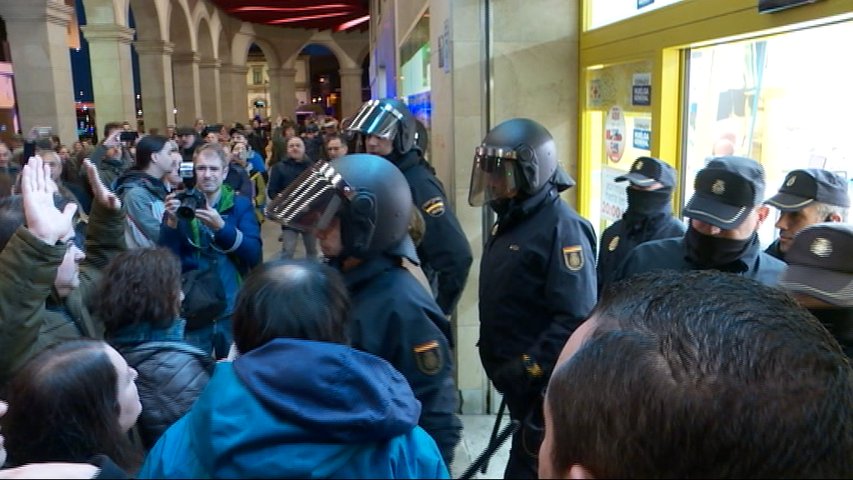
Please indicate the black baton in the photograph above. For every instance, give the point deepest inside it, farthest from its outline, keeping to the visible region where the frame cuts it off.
(491, 449)
(495, 430)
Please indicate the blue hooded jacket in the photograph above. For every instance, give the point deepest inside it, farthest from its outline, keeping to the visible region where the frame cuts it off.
(300, 409)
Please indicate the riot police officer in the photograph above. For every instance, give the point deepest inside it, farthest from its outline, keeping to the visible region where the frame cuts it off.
(390, 131)
(537, 274)
(648, 217)
(359, 207)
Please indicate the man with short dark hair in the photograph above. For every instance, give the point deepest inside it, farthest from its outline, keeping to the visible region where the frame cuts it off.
(335, 146)
(313, 142)
(820, 276)
(699, 375)
(807, 197)
(725, 213)
(188, 141)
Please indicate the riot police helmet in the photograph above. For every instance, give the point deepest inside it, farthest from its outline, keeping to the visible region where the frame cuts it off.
(516, 159)
(386, 118)
(369, 195)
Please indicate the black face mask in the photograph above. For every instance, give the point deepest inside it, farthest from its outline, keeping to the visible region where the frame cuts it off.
(715, 252)
(649, 202)
(500, 206)
(839, 321)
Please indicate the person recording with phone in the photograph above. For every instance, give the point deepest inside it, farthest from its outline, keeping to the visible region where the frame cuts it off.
(111, 156)
(210, 227)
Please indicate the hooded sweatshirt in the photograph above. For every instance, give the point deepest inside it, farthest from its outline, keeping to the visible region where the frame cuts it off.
(300, 409)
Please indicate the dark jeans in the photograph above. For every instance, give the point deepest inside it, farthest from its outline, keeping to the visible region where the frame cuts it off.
(215, 338)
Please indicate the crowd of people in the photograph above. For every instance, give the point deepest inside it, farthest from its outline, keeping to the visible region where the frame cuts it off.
(143, 334)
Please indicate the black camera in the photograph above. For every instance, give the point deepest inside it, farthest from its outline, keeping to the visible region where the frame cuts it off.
(191, 199)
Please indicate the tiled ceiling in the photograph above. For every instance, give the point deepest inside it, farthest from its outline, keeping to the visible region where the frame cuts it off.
(335, 15)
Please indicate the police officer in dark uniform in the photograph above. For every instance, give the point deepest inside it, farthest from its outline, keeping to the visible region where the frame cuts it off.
(725, 213)
(648, 217)
(359, 207)
(537, 274)
(820, 275)
(389, 130)
(807, 197)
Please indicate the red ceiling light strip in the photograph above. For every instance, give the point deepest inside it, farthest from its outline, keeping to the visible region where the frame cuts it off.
(307, 18)
(351, 23)
(291, 9)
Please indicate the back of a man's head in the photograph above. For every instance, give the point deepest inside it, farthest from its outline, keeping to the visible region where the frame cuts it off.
(299, 299)
(702, 374)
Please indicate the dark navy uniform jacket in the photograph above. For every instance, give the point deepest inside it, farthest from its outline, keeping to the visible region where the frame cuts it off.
(621, 237)
(444, 251)
(394, 317)
(671, 254)
(537, 281)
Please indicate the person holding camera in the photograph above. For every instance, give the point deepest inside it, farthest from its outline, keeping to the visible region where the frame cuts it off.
(143, 191)
(110, 157)
(209, 227)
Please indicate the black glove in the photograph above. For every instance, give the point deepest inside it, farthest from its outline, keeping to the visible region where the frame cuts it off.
(513, 375)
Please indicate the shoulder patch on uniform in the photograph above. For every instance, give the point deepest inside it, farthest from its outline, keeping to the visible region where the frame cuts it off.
(428, 357)
(613, 243)
(434, 207)
(573, 257)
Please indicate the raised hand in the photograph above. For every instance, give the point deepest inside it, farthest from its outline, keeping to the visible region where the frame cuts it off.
(101, 193)
(44, 220)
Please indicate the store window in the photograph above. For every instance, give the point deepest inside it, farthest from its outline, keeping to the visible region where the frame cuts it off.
(618, 111)
(784, 101)
(414, 70)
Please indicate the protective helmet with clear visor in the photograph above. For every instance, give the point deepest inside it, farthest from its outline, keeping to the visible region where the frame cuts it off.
(389, 119)
(518, 157)
(495, 176)
(367, 192)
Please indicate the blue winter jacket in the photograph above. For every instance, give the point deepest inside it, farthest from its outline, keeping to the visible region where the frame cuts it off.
(300, 409)
(237, 245)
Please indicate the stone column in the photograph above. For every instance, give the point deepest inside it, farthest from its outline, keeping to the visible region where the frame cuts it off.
(283, 92)
(37, 32)
(112, 73)
(226, 85)
(232, 79)
(350, 91)
(155, 72)
(211, 91)
(185, 77)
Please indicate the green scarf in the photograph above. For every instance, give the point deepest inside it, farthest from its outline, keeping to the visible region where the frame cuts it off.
(226, 201)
